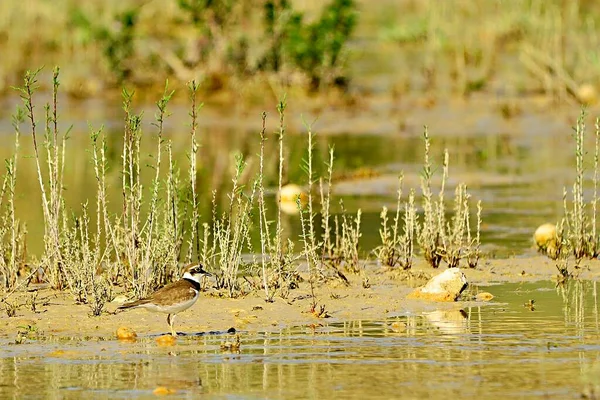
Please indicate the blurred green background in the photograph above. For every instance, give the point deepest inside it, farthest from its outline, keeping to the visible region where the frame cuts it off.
(499, 82)
(402, 46)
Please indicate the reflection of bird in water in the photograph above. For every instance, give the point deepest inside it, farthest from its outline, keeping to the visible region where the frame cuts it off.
(289, 196)
(450, 322)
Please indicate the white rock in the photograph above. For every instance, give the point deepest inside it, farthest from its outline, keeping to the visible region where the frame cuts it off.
(446, 286)
(451, 280)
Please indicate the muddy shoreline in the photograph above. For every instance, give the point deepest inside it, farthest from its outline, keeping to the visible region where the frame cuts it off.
(58, 316)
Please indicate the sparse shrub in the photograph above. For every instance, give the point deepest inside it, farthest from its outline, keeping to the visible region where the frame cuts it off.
(455, 244)
(428, 234)
(348, 245)
(277, 260)
(10, 307)
(397, 249)
(231, 232)
(325, 191)
(473, 243)
(579, 237)
(150, 255)
(51, 187)
(576, 233)
(439, 238)
(12, 232)
(141, 246)
(138, 249)
(281, 253)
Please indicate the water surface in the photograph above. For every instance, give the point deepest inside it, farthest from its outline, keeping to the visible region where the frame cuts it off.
(503, 349)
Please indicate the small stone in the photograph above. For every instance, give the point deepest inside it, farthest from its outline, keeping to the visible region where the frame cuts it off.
(484, 296)
(587, 94)
(546, 240)
(446, 286)
(292, 192)
(166, 340)
(163, 391)
(126, 333)
(289, 196)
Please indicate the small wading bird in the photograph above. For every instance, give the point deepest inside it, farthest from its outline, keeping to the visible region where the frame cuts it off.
(175, 297)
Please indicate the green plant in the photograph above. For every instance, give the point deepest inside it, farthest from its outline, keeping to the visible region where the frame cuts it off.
(307, 215)
(141, 245)
(32, 301)
(12, 232)
(474, 243)
(580, 229)
(277, 259)
(428, 234)
(82, 259)
(440, 238)
(217, 41)
(327, 247)
(577, 232)
(52, 187)
(231, 232)
(194, 239)
(150, 255)
(10, 308)
(453, 244)
(27, 332)
(117, 39)
(349, 240)
(265, 237)
(281, 253)
(397, 248)
(316, 48)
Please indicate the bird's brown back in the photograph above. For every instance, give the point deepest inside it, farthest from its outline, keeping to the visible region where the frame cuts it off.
(175, 292)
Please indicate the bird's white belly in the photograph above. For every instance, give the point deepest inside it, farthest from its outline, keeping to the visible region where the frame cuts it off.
(172, 309)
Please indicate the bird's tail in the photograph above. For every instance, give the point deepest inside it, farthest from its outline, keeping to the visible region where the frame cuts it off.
(133, 304)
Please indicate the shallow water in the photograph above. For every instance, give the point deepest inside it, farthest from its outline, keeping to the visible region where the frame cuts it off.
(502, 349)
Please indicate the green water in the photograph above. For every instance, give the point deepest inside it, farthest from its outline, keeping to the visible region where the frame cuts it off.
(502, 349)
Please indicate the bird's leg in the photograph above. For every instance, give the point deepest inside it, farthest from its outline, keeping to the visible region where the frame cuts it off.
(170, 321)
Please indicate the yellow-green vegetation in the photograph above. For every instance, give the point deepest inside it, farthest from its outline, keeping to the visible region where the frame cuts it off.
(91, 250)
(575, 237)
(579, 225)
(397, 248)
(217, 43)
(441, 238)
(514, 47)
(520, 46)
(576, 233)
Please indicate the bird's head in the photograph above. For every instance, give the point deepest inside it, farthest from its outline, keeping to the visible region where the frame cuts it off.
(195, 272)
